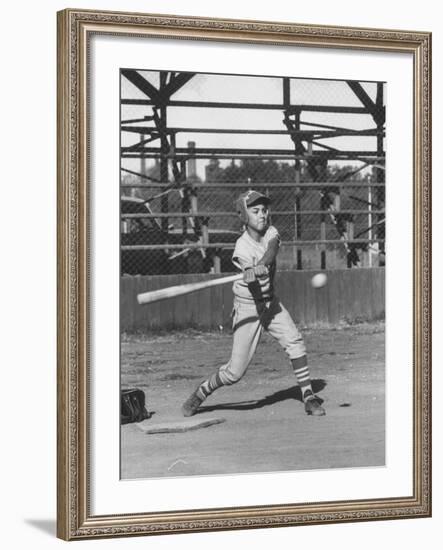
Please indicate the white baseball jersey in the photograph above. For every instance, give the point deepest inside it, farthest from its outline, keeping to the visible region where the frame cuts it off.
(255, 310)
(248, 253)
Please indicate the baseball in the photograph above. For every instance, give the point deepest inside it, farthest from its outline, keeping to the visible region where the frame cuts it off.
(319, 280)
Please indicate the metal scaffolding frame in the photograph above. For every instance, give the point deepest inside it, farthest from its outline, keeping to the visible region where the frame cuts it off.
(158, 141)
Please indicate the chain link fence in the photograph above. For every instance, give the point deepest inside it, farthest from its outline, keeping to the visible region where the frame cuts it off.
(191, 226)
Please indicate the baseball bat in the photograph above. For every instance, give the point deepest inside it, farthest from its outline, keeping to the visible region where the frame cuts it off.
(180, 290)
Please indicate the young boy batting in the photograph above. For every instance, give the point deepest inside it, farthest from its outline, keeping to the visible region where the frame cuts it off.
(257, 308)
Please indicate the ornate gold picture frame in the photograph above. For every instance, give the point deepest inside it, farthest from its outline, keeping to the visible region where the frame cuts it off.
(77, 516)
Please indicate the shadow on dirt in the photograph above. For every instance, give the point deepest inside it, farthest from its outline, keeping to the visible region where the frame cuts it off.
(178, 376)
(293, 392)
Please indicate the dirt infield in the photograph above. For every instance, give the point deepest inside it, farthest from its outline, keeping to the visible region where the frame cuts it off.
(265, 426)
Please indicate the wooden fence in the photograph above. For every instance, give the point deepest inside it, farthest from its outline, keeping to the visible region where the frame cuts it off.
(351, 295)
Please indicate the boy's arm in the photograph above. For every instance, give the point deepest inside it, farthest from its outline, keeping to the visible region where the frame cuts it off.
(272, 249)
(242, 261)
(270, 255)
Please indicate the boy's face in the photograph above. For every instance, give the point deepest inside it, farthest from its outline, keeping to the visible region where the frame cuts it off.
(258, 216)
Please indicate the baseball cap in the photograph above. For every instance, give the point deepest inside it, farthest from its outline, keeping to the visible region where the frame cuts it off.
(247, 199)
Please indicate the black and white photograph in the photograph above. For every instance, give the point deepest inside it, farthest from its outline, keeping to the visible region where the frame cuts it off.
(252, 273)
(218, 270)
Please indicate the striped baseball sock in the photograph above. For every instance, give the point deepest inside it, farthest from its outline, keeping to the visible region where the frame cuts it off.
(301, 371)
(208, 386)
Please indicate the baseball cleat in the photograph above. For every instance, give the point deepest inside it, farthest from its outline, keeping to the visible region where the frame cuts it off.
(313, 405)
(190, 406)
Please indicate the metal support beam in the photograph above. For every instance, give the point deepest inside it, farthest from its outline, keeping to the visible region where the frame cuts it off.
(306, 134)
(140, 175)
(231, 245)
(238, 152)
(379, 172)
(162, 123)
(143, 85)
(240, 185)
(177, 82)
(376, 110)
(254, 106)
(218, 214)
(354, 155)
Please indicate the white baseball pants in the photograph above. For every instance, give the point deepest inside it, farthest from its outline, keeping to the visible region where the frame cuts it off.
(249, 320)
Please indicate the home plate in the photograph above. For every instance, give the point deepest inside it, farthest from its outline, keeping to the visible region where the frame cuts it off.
(177, 426)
